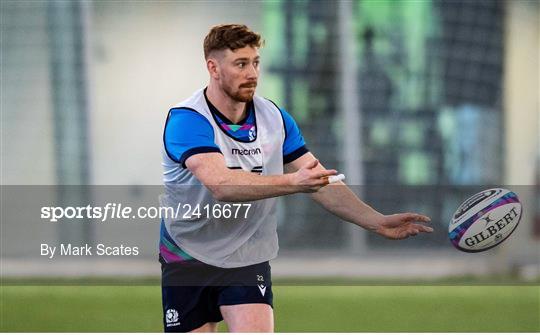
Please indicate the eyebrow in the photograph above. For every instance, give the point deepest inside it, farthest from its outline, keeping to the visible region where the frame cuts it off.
(246, 59)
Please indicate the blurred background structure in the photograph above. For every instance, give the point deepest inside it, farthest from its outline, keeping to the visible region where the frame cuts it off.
(419, 103)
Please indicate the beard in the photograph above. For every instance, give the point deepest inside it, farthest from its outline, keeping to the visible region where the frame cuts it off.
(242, 93)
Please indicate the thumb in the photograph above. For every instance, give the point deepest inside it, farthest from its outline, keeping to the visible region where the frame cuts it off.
(312, 164)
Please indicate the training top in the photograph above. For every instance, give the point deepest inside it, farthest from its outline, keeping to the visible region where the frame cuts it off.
(262, 143)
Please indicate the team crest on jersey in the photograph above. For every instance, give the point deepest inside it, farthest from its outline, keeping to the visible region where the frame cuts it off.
(252, 134)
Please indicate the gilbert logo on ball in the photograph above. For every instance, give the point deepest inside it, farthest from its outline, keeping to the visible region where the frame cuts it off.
(485, 220)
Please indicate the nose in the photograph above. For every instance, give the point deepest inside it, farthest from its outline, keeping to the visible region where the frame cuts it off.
(253, 72)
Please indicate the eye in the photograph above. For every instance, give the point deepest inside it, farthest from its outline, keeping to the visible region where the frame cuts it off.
(241, 64)
(256, 63)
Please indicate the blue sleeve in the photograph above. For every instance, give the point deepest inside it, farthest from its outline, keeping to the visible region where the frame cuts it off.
(187, 133)
(294, 145)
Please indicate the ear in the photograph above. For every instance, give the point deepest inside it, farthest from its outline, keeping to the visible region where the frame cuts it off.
(212, 65)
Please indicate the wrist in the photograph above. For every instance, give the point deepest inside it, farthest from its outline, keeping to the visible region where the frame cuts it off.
(291, 184)
(288, 179)
(373, 221)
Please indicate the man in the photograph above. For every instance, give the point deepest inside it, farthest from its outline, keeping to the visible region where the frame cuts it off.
(225, 145)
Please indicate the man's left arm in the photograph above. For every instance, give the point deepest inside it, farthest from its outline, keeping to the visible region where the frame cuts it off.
(338, 199)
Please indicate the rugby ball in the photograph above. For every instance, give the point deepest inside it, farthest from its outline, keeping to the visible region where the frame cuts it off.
(485, 220)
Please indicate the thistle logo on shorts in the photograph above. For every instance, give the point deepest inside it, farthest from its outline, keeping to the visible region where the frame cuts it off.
(171, 317)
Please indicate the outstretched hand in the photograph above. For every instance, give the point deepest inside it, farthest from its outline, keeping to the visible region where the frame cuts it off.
(403, 225)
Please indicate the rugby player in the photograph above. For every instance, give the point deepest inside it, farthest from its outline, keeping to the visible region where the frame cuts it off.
(226, 145)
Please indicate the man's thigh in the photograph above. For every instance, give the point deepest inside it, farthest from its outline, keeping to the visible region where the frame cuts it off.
(248, 317)
(246, 303)
(189, 308)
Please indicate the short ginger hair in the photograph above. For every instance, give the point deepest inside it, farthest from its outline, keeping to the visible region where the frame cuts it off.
(230, 36)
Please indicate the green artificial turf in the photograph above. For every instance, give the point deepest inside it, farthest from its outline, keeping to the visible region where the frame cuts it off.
(297, 308)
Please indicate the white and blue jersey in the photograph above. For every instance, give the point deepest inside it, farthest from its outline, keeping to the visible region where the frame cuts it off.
(262, 143)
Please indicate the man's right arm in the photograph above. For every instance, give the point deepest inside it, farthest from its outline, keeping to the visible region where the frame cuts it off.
(237, 185)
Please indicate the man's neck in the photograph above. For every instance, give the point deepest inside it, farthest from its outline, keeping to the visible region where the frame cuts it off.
(233, 110)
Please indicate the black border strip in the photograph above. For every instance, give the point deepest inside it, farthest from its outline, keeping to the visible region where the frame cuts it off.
(295, 154)
(194, 151)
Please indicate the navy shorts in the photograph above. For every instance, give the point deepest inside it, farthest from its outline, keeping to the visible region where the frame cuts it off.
(192, 292)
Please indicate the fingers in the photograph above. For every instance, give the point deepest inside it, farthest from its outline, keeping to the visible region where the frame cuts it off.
(318, 177)
(400, 228)
(423, 229)
(335, 179)
(323, 177)
(416, 217)
(416, 229)
(313, 178)
(324, 173)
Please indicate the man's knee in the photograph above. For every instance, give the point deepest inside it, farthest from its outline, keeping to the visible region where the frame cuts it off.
(248, 318)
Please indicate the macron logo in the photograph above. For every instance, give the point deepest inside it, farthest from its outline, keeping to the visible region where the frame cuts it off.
(243, 152)
(262, 288)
